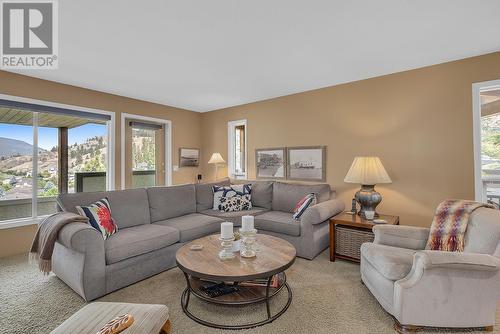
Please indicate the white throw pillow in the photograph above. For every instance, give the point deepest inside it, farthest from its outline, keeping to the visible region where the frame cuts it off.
(229, 191)
(235, 203)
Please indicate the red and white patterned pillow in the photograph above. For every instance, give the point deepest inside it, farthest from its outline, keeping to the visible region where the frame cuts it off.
(99, 215)
(303, 204)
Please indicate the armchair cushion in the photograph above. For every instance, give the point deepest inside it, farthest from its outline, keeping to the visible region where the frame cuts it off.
(401, 236)
(456, 260)
(393, 263)
(483, 232)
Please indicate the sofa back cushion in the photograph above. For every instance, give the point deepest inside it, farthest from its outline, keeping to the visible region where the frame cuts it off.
(483, 231)
(286, 195)
(171, 202)
(68, 202)
(262, 193)
(128, 207)
(205, 195)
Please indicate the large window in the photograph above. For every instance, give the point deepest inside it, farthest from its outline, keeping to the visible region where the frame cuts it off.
(45, 151)
(487, 142)
(16, 164)
(237, 139)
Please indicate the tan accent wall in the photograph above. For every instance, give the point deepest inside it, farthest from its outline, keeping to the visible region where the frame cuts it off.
(186, 128)
(418, 122)
(16, 240)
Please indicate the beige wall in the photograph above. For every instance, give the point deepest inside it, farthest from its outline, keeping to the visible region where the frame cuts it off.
(186, 128)
(418, 122)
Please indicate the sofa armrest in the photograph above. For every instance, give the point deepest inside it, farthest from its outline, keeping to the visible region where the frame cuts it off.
(80, 237)
(323, 211)
(454, 260)
(79, 260)
(410, 237)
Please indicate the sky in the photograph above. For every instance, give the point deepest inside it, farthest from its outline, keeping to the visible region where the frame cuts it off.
(47, 137)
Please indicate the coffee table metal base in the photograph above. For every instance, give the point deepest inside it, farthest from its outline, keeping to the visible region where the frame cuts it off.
(270, 318)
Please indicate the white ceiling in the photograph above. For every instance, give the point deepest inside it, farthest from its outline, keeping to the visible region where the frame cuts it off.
(210, 54)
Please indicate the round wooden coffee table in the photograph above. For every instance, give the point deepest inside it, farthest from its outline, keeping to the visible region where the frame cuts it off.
(274, 256)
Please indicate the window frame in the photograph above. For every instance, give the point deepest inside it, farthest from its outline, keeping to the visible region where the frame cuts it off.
(167, 124)
(110, 153)
(477, 89)
(231, 148)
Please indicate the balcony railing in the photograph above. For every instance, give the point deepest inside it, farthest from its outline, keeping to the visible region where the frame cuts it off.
(96, 181)
(21, 208)
(491, 188)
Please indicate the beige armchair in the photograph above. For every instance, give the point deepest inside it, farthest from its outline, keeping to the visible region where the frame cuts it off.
(433, 288)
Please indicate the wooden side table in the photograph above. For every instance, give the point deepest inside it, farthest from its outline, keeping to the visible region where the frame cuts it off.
(348, 232)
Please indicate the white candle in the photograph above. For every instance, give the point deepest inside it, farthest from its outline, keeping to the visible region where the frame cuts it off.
(226, 230)
(247, 223)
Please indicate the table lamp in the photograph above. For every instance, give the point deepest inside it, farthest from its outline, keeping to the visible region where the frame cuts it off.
(367, 171)
(216, 159)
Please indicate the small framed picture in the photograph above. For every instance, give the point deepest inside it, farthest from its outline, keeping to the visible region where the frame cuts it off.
(270, 163)
(307, 163)
(189, 157)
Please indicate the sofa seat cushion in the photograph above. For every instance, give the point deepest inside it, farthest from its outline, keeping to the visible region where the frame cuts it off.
(137, 240)
(234, 216)
(393, 263)
(278, 221)
(192, 226)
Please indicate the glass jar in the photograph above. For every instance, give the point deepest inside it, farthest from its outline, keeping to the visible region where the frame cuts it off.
(226, 252)
(247, 247)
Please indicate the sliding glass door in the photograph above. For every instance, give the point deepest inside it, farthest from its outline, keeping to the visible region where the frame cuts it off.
(144, 154)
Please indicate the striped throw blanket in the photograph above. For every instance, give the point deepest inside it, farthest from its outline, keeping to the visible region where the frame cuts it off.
(450, 223)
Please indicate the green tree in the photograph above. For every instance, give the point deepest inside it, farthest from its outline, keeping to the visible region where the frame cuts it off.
(96, 164)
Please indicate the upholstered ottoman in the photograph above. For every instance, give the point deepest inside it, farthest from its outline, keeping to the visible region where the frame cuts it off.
(148, 319)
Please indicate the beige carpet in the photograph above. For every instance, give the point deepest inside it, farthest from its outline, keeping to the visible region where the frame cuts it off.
(328, 298)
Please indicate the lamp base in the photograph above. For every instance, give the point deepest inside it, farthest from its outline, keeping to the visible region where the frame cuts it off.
(368, 199)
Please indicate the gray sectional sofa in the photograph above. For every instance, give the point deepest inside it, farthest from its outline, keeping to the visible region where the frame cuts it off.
(154, 222)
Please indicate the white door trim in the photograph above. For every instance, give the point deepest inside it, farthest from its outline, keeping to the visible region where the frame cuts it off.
(230, 147)
(168, 144)
(477, 88)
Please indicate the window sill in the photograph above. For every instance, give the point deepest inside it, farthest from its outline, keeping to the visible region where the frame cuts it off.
(239, 176)
(19, 222)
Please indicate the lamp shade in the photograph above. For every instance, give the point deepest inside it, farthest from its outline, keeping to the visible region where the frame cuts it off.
(367, 171)
(216, 159)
